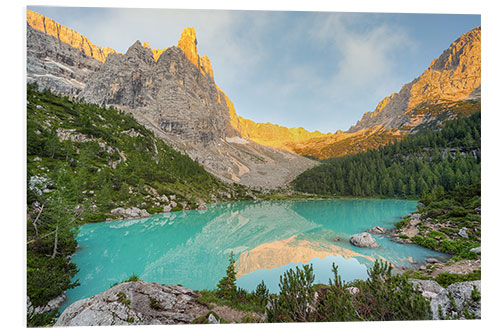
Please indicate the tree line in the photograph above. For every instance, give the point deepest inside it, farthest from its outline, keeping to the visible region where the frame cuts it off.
(427, 161)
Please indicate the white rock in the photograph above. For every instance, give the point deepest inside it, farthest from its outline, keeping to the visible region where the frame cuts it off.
(363, 239)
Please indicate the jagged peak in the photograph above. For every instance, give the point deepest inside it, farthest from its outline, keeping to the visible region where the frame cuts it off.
(188, 44)
(142, 52)
(66, 35)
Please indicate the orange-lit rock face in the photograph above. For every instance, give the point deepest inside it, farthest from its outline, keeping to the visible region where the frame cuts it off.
(156, 52)
(66, 35)
(187, 44)
(283, 252)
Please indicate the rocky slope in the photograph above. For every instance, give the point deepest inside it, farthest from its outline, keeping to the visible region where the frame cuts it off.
(171, 91)
(454, 76)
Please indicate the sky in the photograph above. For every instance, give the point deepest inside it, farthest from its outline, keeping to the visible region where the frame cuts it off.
(318, 70)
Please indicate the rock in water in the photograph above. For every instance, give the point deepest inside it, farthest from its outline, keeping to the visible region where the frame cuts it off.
(363, 239)
(377, 230)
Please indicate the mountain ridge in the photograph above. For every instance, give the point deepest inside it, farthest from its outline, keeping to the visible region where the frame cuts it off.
(452, 77)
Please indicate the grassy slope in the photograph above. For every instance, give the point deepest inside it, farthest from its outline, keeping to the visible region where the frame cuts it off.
(82, 162)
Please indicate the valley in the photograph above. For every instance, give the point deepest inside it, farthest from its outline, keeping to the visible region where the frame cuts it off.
(141, 174)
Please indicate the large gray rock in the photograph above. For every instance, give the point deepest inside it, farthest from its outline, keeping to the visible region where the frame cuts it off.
(135, 303)
(428, 288)
(363, 239)
(461, 294)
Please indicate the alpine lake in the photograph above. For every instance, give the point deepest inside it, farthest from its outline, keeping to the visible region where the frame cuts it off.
(192, 248)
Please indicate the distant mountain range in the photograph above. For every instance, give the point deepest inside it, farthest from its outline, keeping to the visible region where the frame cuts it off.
(172, 92)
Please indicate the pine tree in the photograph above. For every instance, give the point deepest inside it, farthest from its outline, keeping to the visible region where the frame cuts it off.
(227, 285)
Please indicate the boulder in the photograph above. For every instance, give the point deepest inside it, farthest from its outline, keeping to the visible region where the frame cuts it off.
(428, 288)
(377, 230)
(461, 293)
(135, 303)
(167, 208)
(363, 239)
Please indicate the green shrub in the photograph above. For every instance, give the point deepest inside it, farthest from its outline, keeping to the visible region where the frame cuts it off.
(445, 279)
(382, 297)
(295, 297)
(425, 242)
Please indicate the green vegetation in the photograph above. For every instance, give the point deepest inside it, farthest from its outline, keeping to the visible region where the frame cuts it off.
(228, 294)
(382, 297)
(84, 160)
(445, 214)
(226, 288)
(445, 279)
(418, 165)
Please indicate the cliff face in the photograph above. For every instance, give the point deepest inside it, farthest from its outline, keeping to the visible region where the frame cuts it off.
(170, 90)
(454, 76)
(174, 92)
(67, 36)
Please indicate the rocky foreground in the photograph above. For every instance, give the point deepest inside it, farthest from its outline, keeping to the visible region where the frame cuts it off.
(144, 303)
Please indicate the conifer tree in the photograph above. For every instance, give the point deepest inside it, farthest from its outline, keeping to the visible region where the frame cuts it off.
(226, 288)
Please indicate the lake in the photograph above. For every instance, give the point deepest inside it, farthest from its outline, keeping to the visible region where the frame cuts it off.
(192, 248)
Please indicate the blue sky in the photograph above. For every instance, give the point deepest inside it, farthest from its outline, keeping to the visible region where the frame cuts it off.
(318, 70)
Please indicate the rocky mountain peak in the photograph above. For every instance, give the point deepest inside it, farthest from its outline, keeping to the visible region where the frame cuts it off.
(68, 36)
(143, 53)
(187, 44)
(454, 76)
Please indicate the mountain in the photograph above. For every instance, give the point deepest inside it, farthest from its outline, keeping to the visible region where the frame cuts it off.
(171, 91)
(228, 145)
(450, 86)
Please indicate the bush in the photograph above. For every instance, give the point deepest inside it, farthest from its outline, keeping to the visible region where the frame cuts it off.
(382, 297)
(425, 242)
(445, 279)
(293, 304)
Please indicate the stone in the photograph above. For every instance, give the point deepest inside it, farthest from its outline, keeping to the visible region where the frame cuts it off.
(476, 250)
(463, 233)
(461, 294)
(212, 320)
(363, 239)
(432, 261)
(129, 303)
(428, 288)
(167, 208)
(377, 230)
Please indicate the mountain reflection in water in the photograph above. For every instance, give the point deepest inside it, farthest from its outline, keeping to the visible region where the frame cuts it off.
(192, 247)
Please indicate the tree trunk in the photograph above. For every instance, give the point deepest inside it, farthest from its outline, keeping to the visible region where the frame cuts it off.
(36, 220)
(55, 244)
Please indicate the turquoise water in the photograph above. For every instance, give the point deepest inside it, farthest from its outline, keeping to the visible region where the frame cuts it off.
(192, 247)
